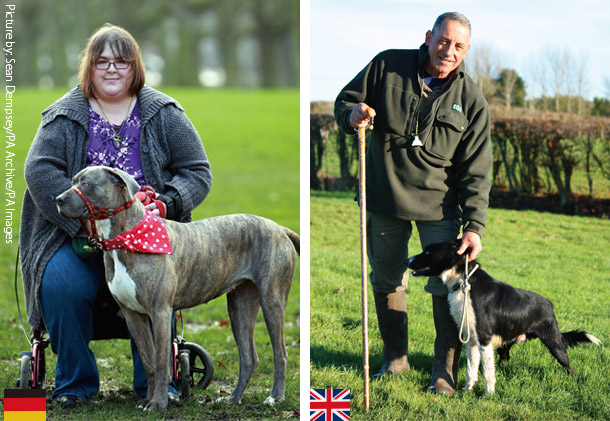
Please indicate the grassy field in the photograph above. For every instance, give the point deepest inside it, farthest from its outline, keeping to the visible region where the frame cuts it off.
(563, 258)
(252, 141)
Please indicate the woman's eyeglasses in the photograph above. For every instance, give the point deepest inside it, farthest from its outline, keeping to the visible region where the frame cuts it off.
(105, 64)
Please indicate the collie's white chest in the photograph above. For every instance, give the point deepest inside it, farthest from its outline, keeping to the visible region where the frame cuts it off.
(463, 320)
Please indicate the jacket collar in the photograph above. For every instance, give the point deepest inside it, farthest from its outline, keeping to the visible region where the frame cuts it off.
(74, 106)
(151, 101)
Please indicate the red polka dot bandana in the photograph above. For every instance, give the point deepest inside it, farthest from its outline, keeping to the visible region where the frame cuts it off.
(149, 236)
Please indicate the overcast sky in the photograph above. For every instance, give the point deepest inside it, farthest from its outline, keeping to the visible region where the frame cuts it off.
(346, 34)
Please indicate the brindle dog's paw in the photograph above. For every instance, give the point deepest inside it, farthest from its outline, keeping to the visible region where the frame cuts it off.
(229, 399)
(156, 405)
(142, 403)
(273, 401)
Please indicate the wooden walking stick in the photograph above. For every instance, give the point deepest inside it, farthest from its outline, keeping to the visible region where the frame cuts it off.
(363, 261)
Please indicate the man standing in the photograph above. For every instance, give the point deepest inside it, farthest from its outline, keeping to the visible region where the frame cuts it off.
(428, 162)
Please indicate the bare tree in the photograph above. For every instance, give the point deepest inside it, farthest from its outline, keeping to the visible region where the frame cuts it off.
(570, 78)
(558, 61)
(508, 79)
(484, 66)
(539, 74)
(581, 68)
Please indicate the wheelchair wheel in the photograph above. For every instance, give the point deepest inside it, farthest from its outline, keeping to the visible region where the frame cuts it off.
(184, 375)
(201, 368)
(41, 379)
(26, 371)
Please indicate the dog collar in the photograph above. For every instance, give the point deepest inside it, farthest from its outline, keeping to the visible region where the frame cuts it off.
(148, 236)
(463, 282)
(98, 213)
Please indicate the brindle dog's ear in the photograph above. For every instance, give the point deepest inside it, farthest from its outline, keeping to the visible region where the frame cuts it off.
(125, 180)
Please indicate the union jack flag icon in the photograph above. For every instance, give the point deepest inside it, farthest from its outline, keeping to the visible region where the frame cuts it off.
(329, 404)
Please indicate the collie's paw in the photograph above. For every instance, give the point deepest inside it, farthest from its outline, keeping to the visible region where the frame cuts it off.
(469, 386)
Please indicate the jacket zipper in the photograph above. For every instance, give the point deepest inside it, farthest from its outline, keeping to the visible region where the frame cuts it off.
(412, 114)
(435, 103)
(413, 120)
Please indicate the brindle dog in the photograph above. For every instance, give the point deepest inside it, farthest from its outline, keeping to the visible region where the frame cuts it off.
(249, 258)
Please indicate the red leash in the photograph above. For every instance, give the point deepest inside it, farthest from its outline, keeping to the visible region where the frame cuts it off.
(147, 195)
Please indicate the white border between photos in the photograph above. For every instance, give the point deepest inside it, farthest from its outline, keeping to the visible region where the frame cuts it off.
(304, 208)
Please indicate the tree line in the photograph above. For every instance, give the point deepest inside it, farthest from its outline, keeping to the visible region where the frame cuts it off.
(235, 43)
(558, 82)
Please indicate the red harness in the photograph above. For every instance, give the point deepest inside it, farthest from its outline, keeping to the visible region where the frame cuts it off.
(99, 213)
(148, 236)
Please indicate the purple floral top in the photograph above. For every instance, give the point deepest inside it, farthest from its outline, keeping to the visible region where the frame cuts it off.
(102, 150)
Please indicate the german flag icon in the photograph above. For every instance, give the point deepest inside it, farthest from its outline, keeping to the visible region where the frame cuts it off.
(25, 405)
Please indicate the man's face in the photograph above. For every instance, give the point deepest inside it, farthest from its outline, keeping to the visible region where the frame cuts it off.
(447, 47)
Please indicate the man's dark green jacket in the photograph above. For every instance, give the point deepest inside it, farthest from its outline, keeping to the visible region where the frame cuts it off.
(449, 175)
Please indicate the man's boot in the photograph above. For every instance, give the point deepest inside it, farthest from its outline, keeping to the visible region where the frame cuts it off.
(393, 324)
(447, 347)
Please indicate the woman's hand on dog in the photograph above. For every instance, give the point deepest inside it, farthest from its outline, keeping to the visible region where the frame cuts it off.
(155, 206)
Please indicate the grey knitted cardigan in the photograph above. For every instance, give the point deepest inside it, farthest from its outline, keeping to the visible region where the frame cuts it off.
(172, 157)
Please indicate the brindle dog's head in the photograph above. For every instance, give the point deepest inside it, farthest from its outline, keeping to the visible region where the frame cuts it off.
(104, 187)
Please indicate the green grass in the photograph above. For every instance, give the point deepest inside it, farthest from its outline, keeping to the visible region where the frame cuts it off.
(561, 257)
(252, 141)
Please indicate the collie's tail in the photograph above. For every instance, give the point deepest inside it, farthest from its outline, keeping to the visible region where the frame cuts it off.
(576, 337)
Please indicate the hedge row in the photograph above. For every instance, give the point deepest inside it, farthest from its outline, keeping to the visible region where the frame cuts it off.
(532, 155)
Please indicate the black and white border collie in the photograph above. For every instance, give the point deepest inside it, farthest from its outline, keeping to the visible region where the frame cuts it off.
(498, 315)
